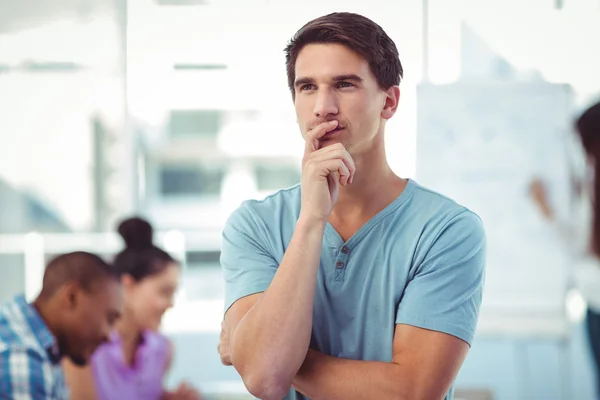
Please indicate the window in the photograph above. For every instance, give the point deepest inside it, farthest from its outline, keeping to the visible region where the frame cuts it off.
(276, 176)
(195, 122)
(191, 180)
(13, 276)
(203, 258)
(43, 218)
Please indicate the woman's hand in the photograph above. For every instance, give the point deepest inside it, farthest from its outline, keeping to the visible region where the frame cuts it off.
(539, 194)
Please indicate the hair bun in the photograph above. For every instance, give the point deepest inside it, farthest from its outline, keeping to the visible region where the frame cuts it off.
(136, 232)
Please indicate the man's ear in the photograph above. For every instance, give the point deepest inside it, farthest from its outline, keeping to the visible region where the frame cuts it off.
(70, 295)
(390, 105)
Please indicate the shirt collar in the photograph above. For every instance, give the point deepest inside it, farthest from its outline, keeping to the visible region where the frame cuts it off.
(39, 329)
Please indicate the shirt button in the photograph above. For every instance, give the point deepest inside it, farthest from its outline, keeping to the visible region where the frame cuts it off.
(339, 264)
(345, 250)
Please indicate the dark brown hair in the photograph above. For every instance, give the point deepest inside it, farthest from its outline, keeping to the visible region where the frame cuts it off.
(358, 33)
(588, 127)
(140, 258)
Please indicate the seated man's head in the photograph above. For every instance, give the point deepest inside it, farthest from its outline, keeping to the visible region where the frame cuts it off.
(344, 67)
(81, 300)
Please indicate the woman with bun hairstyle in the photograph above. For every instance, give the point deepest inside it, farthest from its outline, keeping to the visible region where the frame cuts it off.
(132, 365)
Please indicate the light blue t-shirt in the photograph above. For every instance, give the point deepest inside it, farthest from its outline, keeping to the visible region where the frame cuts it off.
(420, 261)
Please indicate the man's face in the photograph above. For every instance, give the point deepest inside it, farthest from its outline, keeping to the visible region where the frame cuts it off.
(88, 318)
(335, 83)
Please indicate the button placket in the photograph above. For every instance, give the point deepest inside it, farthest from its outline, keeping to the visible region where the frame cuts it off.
(341, 262)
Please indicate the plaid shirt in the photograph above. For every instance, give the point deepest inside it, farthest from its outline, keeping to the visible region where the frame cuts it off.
(29, 359)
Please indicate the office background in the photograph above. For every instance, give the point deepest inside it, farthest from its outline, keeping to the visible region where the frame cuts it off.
(178, 110)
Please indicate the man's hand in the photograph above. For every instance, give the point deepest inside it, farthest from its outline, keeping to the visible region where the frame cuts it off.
(268, 343)
(224, 349)
(323, 170)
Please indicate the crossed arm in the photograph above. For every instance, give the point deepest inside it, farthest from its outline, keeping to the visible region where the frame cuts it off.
(424, 365)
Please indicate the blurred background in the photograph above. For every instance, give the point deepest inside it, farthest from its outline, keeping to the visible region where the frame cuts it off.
(177, 110)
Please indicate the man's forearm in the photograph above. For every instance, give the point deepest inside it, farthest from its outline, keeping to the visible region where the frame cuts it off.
(270, 343)
(325, 377)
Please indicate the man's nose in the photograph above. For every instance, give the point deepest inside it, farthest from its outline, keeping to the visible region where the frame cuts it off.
(325, 104)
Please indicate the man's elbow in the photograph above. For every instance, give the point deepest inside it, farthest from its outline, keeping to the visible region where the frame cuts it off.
(263, 381)
(266, 386)
(420, 393)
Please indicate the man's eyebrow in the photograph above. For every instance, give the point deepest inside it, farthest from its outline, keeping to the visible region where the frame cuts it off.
(303, 81)
(347, 77)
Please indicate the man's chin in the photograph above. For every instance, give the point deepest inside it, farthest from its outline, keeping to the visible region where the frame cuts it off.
(80, 361)
(329, 141)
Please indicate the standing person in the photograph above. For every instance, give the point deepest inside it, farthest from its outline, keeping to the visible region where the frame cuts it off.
(582, 231)
(357, 283)
(134, 362)
(80, 301)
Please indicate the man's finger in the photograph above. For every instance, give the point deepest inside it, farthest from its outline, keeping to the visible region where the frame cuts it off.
(335, 166)
(331, 153)
(313, 136)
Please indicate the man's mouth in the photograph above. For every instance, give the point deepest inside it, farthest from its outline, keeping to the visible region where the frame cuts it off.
(334, 130)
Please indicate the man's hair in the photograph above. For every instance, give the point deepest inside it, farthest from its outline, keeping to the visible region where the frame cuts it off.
(85, 269)
(359, 34)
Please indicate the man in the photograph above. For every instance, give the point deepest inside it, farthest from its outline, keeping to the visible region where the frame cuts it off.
(356, 284)
(79, 303)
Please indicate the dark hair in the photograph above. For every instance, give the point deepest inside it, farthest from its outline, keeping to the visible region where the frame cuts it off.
(86, 269)
(358, 33)
(140, 258)
(588, 127)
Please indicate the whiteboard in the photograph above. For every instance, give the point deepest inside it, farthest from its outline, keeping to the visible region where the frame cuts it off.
(481, 143)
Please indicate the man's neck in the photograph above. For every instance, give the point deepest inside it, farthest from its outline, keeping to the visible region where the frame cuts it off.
(49, 313)
(44, 308)
(374, 186)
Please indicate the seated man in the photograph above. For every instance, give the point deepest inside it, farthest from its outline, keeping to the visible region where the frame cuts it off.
(357, 283)
(80, 301)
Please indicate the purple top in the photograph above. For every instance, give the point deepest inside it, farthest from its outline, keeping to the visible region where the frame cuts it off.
(115, 380)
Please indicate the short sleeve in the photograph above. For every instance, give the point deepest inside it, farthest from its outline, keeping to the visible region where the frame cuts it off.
(445, 292)
(24, 375)
(248, 266)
